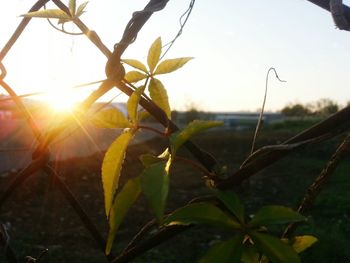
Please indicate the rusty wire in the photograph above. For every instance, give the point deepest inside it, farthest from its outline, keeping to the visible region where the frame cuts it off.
(331, 125)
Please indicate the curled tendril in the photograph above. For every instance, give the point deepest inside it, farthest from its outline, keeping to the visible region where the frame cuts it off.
(62, 30)
(258, 125)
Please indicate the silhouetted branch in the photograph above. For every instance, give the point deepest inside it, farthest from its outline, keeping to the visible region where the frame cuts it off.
(90, 226)
(39, 4)
(330, 126)
(5, 242)
(315, 188)
(32, 168)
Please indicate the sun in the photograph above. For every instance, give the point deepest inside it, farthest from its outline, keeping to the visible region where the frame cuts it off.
(63, 101)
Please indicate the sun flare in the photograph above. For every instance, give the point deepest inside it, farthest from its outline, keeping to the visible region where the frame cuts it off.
(62, 101)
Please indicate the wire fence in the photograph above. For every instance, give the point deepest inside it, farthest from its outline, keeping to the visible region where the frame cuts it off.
(39, 159)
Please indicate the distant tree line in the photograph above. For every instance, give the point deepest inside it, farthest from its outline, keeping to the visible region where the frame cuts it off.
(320, 108)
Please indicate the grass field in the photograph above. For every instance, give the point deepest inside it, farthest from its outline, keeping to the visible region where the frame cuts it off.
(39, 217)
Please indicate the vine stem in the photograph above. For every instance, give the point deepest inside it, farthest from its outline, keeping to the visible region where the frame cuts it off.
(258, 125)
(90, 226)
(315, 188)
(196, 166)
(163, 134)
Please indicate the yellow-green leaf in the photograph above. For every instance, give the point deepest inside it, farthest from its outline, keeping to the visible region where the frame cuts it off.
(301, 243)
(81, 9)
(170, 65)
(154, 54)
(110, 118)
(135, 64)
(149, 159)
(133, 103)
(201, 213)
(112, 165)
(134, 76)
(160, 96)
(48, 13)
(124, 200)
(155, 186)
(228, 251)
(72, 7)
(142, 115)
(196, 126)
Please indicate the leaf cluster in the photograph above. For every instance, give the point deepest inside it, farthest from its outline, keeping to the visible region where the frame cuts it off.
(62, 16)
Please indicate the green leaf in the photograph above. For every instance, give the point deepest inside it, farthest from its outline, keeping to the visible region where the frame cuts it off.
(123, 201)
(48, 13)
(110, 118)
(72, 7)
(170, 65)
(179, 138)
(134, 76)
(160, 96)
(274, 248)
(149, 159)
(81, 9)
(228, 251)
(154, 54)
(155, 186)
(273, 215)
(231, 201)
(111, 167)
(133, 103)
(301, 243)
(136, 64)
(249, 254)
(201, 213)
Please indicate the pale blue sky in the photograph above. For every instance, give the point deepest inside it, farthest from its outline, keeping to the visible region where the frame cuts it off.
(234, 42)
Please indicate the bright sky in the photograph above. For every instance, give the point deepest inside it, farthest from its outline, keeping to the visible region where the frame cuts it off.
(234, 43)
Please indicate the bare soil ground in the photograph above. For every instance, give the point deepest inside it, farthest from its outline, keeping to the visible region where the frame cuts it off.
(39, 217)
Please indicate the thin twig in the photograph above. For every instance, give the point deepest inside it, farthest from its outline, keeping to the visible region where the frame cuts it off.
(5, 242)
(333, 125)
(144, 230)
(91, 35)
(315, 188)
(196, 166)
(63, 30)
(186, 14)
(163, 134)
(258, 125)
(281, 148)
(78, 209)
(164, 233)
(28, 117)
(24, 174)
